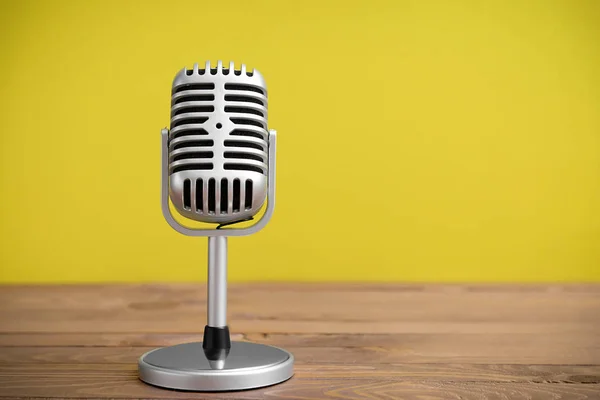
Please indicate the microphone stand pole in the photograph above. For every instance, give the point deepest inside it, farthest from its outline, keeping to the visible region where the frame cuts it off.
(217, 342)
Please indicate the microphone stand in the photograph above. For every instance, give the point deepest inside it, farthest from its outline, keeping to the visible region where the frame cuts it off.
(217, 342)
(216, 364)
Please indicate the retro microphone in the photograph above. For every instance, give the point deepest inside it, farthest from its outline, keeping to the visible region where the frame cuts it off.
(218, 167)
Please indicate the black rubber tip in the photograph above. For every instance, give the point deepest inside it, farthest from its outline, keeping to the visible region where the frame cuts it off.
(216, 343)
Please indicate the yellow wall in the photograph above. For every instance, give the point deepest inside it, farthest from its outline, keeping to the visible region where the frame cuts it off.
(421, 140)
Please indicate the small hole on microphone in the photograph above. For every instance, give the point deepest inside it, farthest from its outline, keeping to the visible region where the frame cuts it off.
(219, 126)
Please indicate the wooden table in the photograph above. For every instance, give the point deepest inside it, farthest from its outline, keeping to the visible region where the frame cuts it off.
(351, 341)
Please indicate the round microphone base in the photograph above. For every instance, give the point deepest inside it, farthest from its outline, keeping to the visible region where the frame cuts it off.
(185, 367)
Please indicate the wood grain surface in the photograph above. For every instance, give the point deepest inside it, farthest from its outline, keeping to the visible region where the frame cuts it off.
(351, 341)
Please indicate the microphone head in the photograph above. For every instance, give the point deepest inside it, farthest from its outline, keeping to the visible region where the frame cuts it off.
(218, 143)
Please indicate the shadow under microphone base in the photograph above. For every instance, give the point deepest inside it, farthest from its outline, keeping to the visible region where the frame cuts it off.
(216, 364)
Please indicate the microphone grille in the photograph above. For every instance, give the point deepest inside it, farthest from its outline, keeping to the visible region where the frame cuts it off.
(218, 142)
(208, 195)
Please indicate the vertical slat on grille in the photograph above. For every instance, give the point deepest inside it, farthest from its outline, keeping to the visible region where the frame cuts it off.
(217, 196)
(236, 195)
(199, 195)
(248, 199)
(187, 194)
(204, 196)
(224, 195)
(242, 195)
(212, 195)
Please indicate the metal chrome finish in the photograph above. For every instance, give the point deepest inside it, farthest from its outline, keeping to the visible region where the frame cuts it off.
(166, 210)
(184, 367)
(217, 281)
(218, 141)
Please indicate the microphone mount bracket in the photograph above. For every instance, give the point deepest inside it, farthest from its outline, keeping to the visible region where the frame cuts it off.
(188, 231)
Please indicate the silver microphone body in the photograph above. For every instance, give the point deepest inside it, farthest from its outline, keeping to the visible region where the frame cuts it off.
(218, 165)
(218, 143)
